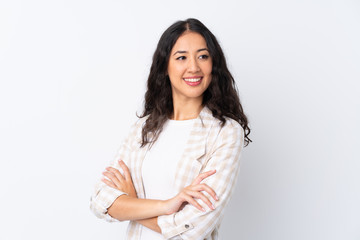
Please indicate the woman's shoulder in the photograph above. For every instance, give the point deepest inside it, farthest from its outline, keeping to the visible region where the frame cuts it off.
(231, 129)
(228, 132)
(215, 123)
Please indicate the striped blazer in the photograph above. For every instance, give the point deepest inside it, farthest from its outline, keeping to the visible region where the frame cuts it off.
(209, 147)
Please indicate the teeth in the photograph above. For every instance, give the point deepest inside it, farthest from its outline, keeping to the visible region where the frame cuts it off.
(192, 79)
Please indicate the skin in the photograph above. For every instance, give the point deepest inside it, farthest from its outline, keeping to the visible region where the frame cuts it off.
(189, 58)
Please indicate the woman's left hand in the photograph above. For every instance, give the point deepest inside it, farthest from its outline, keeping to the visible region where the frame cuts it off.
(118, 181)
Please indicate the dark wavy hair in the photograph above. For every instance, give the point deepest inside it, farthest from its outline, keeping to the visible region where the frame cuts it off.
(221, 97)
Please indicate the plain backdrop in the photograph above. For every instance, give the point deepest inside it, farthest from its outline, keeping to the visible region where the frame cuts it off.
(73, 75)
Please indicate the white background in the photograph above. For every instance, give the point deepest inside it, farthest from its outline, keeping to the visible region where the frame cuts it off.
(73, 75)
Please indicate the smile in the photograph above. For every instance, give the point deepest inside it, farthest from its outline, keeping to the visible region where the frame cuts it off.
(193, 81)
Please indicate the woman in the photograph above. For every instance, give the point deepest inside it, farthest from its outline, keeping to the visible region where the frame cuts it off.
(176, 170)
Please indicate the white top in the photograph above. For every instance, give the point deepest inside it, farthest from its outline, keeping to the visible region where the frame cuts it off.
(159, 165)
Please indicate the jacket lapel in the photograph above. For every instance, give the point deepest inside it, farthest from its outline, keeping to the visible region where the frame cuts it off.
(190, 164)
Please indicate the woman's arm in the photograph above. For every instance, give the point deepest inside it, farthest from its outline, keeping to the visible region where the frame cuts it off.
(129, 207)
(103, 195)
(150, 223)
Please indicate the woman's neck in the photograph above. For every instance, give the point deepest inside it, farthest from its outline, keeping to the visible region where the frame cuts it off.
(186, 111)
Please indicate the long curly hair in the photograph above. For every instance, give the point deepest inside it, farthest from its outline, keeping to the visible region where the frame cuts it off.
(221, 97)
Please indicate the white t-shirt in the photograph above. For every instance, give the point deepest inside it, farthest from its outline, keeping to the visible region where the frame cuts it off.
(159, 165)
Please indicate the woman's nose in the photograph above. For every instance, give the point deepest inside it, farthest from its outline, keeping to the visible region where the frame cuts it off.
(193, 66)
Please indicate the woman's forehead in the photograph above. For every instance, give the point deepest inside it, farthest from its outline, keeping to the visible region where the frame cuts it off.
(189, 42)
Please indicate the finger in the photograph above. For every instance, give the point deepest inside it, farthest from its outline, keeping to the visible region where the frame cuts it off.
(113, 178)
(206, 188)
(116, 172)
(200, 195)
(109, 183)
(126, 170)
(202, 176)
(192, 201)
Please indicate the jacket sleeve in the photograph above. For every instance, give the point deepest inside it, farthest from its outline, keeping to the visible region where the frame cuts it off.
(103, 195)
(191, 223)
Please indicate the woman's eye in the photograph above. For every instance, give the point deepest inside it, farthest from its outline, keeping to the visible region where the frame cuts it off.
(181, 58)
(204, 57)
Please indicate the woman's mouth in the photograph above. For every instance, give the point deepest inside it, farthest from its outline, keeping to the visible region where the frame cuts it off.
(194, 81)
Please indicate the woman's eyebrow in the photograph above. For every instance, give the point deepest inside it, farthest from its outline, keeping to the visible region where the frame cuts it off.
(180, 51)
(202, 49)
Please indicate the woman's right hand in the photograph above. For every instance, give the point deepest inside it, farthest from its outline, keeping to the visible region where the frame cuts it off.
(122, 182)
(190, 193)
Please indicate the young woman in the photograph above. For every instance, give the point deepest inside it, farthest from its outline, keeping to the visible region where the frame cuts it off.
(176, 170)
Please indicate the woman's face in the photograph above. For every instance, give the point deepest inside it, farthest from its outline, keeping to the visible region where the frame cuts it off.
(189, 67)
